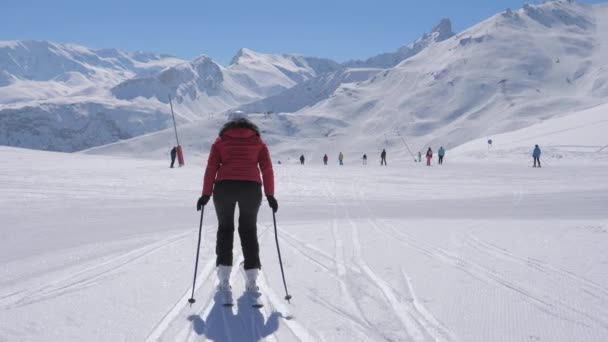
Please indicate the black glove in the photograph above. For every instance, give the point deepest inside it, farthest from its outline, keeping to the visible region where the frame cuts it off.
(202, 201)
(272, 202)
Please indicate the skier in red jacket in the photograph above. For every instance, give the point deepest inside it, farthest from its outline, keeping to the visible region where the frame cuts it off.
(232, 176)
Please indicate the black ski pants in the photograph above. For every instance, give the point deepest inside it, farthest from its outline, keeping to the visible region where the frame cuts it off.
(440, 160)
(382, 160)
(248, 195)
(536, 159)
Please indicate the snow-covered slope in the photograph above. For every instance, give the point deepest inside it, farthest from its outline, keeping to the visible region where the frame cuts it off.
(439, 33)
(57, 96)
(268, 74)
(573, 137)
(324, 86)
(310, 92)
(579, 136)
(103, 247)
(507, 72)
(76, 126)
(287, 134)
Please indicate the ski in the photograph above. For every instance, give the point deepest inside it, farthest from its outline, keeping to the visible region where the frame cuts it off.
(225, 297)
(255, 298)
(253, 295)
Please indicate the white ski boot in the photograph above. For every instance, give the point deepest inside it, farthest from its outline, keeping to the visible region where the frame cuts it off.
(251, 288)
(224, 289)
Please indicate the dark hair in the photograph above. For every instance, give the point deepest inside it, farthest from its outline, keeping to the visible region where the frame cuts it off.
(240, 123)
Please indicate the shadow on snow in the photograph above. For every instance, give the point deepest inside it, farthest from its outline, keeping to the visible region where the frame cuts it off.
(223, 324)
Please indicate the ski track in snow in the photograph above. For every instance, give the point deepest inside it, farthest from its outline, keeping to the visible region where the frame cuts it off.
(84, 278)
(341, 266)
(250, 324)
(417, 312)
(545, 302)
(566, 282)
(418, 327)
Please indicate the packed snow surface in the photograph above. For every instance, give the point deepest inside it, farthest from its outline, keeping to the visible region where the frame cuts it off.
(102, 248)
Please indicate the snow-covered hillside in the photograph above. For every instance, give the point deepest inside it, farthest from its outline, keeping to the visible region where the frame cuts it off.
(579, 136)
(309, 92)
(508, 72)
(322, 87)
(57, 96)
(268, 74)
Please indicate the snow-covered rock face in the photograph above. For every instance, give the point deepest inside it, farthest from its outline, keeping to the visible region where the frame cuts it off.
(185, 80)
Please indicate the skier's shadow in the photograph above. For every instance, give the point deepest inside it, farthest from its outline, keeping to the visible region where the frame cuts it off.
(223, 324)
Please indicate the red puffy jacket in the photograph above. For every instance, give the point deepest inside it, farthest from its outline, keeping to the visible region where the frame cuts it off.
(235, 155)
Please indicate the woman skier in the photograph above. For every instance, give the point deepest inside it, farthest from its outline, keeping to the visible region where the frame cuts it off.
(429, 156)
(233, 178)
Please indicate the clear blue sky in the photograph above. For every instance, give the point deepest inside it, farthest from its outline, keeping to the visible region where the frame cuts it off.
(336, 29)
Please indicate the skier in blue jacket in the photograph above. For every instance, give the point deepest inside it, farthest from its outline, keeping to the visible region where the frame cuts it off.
(441, 153)
(536, 155)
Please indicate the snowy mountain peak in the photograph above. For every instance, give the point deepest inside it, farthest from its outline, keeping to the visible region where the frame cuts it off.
(443, 30)
(559, 12)
(244, 54)
(201, 60)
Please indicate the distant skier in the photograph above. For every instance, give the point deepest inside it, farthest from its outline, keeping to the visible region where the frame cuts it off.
(173, 155)
(536, 155)
(232, 176)
(341, 158)
(325, 159)
(441, 153)
(429, 156)
(383, 157)
(419, 157)
(302, 159)
(364, 159)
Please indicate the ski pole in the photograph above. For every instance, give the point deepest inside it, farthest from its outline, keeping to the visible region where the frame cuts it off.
(198, 248)
(276, 237)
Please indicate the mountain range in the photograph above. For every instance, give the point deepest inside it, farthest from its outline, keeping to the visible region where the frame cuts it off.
(510, 71)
